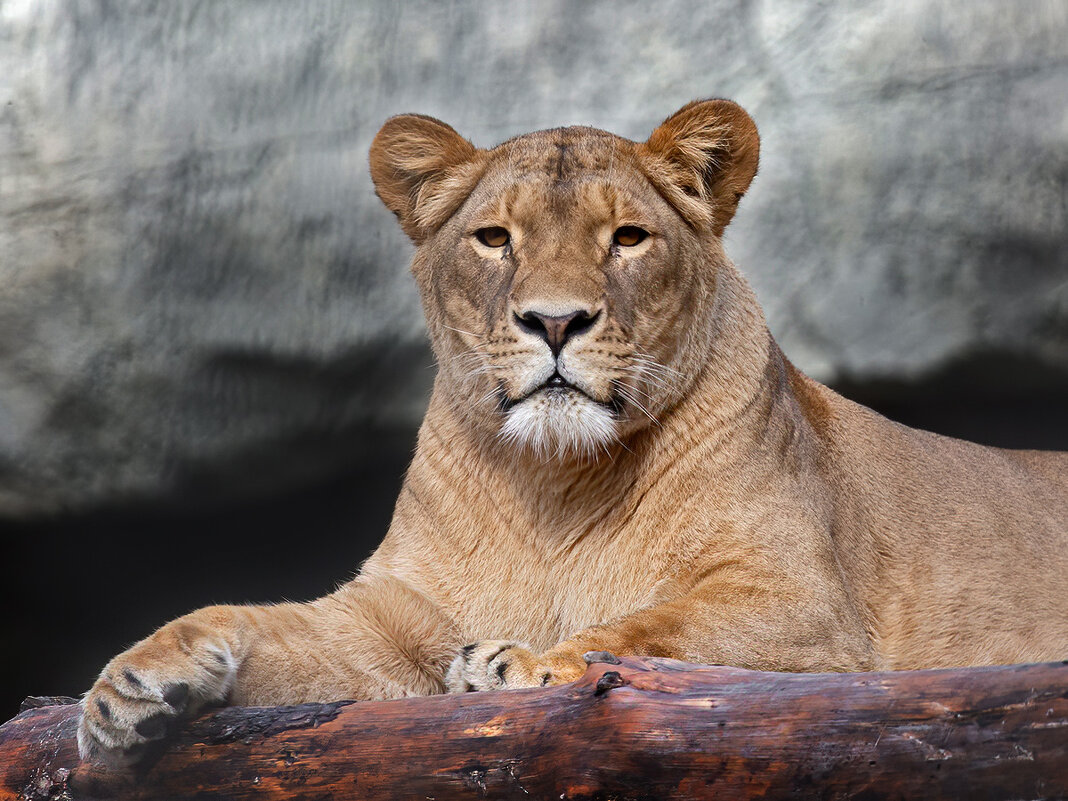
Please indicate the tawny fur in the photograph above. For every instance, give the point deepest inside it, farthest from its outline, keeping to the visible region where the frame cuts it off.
(704, 500)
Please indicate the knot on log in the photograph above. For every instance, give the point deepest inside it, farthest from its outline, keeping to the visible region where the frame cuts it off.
(593, 657)
(44, 786)
(609, 681)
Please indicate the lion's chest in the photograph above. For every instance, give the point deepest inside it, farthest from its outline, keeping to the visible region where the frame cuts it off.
(505, 567)
(543, 591)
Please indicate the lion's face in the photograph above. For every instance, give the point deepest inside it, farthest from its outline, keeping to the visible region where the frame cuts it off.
(560, 293)
(567, 275)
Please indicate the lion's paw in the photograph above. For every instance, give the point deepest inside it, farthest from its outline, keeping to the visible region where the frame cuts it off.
(507, 665)
(142, 693)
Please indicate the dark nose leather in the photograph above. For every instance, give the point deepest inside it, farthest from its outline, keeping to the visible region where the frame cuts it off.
(556, 330)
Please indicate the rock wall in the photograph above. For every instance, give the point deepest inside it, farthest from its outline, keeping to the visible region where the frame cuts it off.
(198, 288)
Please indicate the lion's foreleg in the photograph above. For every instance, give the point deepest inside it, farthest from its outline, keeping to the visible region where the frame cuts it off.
(758, 629)
(372, 639)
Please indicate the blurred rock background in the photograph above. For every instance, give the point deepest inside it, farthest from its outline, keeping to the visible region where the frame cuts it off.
(212, 359)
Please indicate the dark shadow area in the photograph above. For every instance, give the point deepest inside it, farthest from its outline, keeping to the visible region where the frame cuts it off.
(79, 589)
(999, 399)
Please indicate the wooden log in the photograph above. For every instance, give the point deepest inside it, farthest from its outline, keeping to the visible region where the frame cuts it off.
(642, 728)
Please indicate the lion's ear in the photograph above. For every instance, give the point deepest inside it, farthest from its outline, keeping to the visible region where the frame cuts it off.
(423, 170)
(703, 157)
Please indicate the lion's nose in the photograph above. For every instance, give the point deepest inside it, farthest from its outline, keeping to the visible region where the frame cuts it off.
(556, 330)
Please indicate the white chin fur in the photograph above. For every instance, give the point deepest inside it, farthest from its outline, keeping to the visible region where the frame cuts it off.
(560, 423)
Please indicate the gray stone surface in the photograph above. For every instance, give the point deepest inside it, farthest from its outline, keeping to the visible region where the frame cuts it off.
(198, 287)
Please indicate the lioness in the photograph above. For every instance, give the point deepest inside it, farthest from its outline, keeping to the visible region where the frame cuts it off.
(618, 457)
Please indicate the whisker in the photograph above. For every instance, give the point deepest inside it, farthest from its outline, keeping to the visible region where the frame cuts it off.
(487, 368)
(644, 358)
(641, 375)
(461, 331)
(628, 396)
(645, 396)
(644, 369)
(491, 395)
(660, 379)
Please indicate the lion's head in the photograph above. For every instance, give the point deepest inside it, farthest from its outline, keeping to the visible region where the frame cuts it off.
(568, 276)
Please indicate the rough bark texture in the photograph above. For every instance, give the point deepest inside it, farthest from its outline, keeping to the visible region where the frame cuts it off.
(639, 729)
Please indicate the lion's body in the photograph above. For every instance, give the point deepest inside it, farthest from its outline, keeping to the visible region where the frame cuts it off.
(913, 528)
(959, 552)
(617, 457)
(947, 553)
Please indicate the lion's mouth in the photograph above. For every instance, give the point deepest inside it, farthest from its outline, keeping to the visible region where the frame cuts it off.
(556, 384)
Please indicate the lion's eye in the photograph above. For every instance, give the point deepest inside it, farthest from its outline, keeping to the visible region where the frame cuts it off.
(629, 235)
(495, 237)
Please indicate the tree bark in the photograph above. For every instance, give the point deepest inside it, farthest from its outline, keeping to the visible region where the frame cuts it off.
(642, 728)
